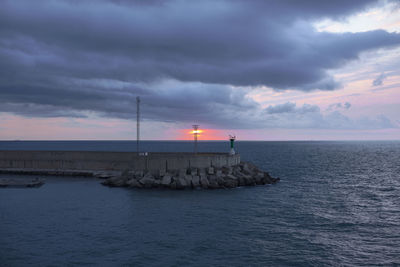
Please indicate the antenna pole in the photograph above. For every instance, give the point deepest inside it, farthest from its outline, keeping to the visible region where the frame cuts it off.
(137, 124)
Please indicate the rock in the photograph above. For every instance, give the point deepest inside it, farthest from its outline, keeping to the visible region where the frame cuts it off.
(161, 172)
(196, 181)
(104, 175)
(147, 181)
(118, 181)
(181, 183)
(204, 182)
(182, 173)
(126, 173)
(212, 179)
(193, 171)
(266, 179)
(231, 181)
(249, 180)
(213, 182)
(157, 183)
(173, 185)
(246, 169)
(231, 176)
(188, 179)
(260, 174)
(226, 170)
(202, 172)
(134, 183)
(259, 178)
(236, 168)
(139, 174)
(221, 181)
(251, 166)
(238, 175)
(166, 180)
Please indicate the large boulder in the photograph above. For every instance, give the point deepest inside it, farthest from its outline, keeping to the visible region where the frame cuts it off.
(104, 175)
(241, 181)
(236, 168)
(213, 182)
(226, 170)
(157, 183)
(166, 180)
(196, 181)
(249, 180)
(193, 171)
(161, 172)
(201, 172)
(115, 181)
(188, 179)
(182, 173)
(172, 185)
(204, 182)
(139, 174)
(259, 178)
(245, 168)
(128, 174)
(181, 183)
(134, 183)
(147, 181)
(221, 181)
(231, 181)
(267, 179)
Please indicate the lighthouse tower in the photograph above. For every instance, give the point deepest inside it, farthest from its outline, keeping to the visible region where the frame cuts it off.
(232, 139)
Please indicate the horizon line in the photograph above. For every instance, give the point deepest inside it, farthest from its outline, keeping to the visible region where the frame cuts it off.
(186, 140)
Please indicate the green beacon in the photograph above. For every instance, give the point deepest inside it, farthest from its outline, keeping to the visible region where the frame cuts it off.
(232, 139)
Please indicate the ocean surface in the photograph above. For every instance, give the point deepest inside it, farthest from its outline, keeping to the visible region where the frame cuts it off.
(337, 204)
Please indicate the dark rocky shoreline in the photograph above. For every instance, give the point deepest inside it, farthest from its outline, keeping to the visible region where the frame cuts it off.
(243, 174)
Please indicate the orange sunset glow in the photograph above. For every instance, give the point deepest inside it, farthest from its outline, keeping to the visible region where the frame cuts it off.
(202, 134)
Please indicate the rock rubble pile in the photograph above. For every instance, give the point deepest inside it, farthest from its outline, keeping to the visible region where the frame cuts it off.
(243, 174)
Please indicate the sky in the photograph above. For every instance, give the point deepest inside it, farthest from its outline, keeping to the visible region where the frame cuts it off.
(257, 69)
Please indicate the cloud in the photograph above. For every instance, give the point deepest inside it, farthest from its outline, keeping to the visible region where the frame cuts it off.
(290, 107)
(379, 80)
(334, 106)
(190, 61)
(289, 116)
(226, 42)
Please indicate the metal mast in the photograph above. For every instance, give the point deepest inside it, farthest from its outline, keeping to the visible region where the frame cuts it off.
(195, 134)
(137, 124)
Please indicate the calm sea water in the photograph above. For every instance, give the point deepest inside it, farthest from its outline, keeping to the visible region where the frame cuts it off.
(338, 203)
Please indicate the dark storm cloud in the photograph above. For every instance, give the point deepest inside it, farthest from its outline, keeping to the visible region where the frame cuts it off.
(65, 56)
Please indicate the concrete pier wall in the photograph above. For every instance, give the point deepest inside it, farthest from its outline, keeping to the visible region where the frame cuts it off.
(112, 161)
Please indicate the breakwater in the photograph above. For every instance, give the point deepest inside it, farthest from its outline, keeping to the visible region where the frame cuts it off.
(146, 170)
(242, 174)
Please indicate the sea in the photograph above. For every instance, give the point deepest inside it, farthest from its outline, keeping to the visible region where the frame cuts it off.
(337, 204)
